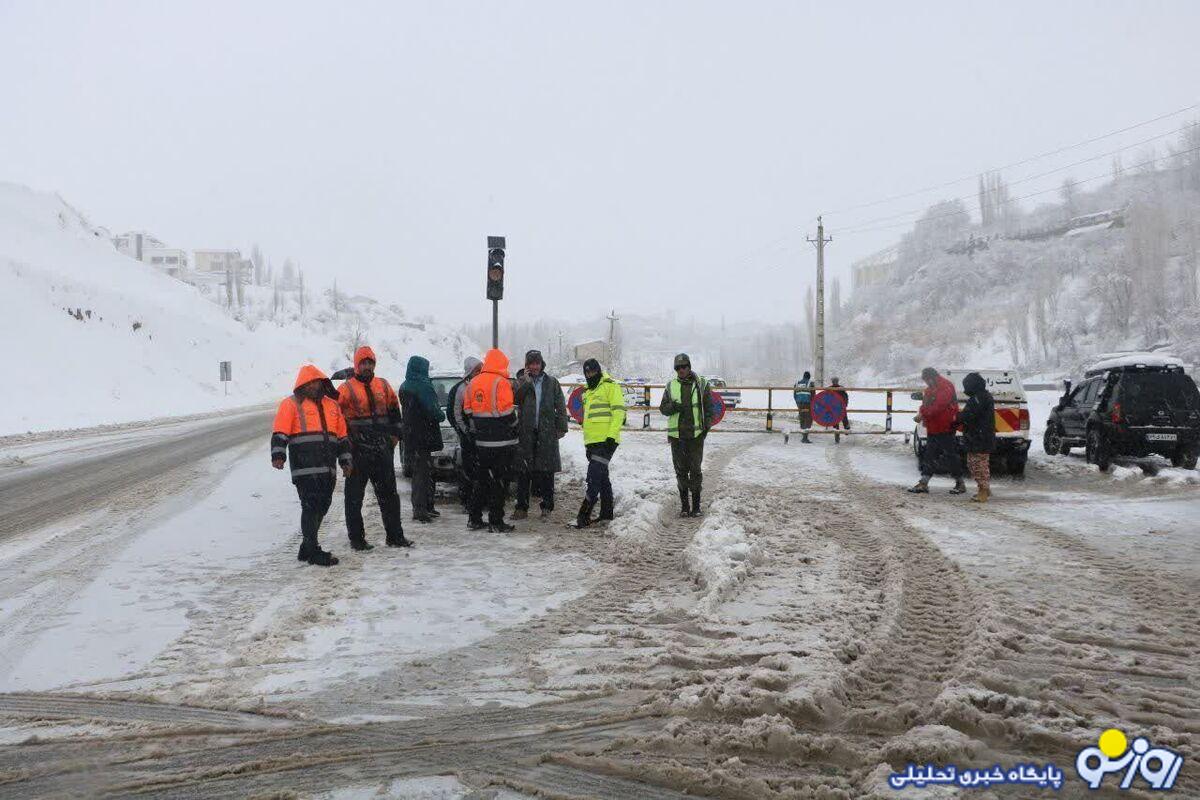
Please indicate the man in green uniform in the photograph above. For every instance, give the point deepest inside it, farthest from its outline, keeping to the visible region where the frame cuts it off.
(688, 404)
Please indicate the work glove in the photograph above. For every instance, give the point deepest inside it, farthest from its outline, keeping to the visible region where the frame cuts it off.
(610, 442)
(277, 462)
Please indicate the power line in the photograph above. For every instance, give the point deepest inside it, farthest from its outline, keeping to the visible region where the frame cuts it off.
(871, 222)
(852, 231)
(1022, 162)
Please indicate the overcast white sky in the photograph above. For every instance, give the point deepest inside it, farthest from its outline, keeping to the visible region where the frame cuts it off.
(637, 155)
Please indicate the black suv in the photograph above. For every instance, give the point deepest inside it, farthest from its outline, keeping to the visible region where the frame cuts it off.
(1130, 410)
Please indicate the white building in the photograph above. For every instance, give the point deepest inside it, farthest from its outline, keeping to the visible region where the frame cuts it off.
(217, 260)
(874, 269)
(135, 244)
(170, 260)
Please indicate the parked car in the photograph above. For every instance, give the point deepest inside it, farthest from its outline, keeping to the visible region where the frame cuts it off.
(447, 462)
(1012, 418)
(731, 397)
(1128, 406)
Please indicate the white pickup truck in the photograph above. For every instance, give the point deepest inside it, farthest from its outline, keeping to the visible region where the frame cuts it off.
(731, 397)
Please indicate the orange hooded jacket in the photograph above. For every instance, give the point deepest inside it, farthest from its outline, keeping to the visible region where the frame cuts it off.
(488, 404)
(311, 434)
(372, 409)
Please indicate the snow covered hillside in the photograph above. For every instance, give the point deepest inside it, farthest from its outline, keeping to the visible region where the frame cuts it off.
(1111, 269)
(92, 336)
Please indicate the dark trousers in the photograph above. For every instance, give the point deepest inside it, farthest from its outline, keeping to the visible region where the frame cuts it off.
(845, 423)
(379, 469)
(491, 475)
(941, 451)
(687, 454)
(422, 481)
(542, 484)
(805, 415)
(470, 463)
(315, 498)
(598, 484)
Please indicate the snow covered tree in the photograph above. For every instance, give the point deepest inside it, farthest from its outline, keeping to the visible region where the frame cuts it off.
(256, 257)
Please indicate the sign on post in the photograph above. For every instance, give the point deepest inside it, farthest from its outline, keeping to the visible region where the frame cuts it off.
(828, 409)
(226, 374)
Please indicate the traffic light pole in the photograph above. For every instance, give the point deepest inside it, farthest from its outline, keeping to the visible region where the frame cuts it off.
(495, 324)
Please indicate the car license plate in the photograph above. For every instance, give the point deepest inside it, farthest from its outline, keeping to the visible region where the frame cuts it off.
(1161, 437)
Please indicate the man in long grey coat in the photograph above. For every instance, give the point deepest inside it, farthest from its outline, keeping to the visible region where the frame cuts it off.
(542, 413)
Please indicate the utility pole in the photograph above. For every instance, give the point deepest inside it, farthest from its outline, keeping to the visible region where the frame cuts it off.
(612, 338)
(819, 344)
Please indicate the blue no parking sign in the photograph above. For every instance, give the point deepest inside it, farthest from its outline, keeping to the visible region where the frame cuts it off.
(828, 409)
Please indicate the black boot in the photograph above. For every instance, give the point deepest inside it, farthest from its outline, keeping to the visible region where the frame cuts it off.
(584, 518)
(500, 527)
(322, 558)
(684, 508)
(433, 512)
(695, 504)
(476, 524)
(606, 510)
(361, 544)
(303, 554)
(400, 542)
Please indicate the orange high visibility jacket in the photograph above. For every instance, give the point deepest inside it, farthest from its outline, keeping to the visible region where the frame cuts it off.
(488, 404)
(310, 434)
(372, 409)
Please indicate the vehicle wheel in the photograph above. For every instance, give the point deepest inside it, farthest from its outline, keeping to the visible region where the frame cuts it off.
(1016, 465)
(1052, 442)
(1097, 450)
(1185, 457)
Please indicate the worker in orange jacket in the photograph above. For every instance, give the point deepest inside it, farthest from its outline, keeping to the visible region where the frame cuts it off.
(310, 432)
(491, 416)
(372, 413)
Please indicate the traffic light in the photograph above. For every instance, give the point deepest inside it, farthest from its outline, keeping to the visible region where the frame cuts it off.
(495, 268)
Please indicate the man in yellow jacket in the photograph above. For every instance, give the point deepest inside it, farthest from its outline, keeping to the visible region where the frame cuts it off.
(603, 416)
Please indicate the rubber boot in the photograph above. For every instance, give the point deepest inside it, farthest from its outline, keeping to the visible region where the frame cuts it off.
(960, 487)
(606, 510)
(303, 554)
(501, 527)
(695, 504)
(584, 518)
(322, 558)
(684, 509)
(982, 496)
(804, 439)
(921, 487)
(361, 545)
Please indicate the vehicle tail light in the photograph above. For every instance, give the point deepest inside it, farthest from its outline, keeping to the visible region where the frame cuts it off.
(1116, 414)
(1024, 416)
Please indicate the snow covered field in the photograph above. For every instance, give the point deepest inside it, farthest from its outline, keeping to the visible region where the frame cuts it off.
(815, 629)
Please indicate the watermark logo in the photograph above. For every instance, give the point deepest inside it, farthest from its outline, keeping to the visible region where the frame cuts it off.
(1157, 766)
(1048, 776)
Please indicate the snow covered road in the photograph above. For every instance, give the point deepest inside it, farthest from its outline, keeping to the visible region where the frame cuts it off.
(817, 628)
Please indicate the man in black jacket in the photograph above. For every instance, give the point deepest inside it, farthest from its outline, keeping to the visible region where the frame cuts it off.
(458, 421)
(978, 421)
(542, 421)
(423, 416)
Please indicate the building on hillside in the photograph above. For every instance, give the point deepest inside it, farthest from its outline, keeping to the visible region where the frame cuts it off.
(135, 244)
(218, 260)
(170, 260)
(594, 348)
(874, 269)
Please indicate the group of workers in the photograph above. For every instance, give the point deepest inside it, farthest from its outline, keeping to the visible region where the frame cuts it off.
(802, 393)
(507, 426)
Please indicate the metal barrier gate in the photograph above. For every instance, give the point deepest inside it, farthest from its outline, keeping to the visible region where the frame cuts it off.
(771, 409)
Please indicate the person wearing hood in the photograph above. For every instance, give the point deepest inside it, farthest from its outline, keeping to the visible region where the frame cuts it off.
(688, 404)
(603, 416)
(422, 434)
(978, 421)
(372, 413)
(458, 421)
(835, 386)
(802, 394)
(542, 421)
(310, 433)
(491, 414)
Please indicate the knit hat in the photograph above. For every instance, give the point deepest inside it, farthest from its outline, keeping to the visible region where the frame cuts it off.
(535, 357)
(471, 364)
(682, 360)
(591, 365)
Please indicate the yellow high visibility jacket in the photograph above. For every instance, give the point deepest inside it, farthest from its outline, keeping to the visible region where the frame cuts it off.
(603, 411)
